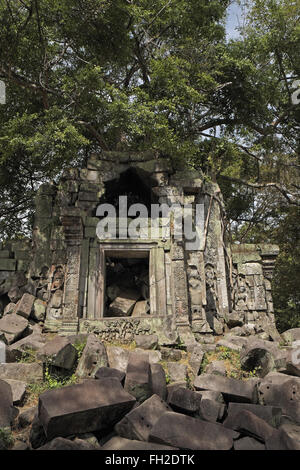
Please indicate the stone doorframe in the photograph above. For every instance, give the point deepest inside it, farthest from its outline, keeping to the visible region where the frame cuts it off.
(157, 276)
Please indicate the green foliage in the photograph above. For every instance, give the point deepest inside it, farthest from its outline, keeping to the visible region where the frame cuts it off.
(6, 438)
(79, 346)
(27, 356)
(232, 362)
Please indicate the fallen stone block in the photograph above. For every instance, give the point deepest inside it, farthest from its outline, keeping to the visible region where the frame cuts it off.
(26, 417)
(154, 356)
(146, 341)
(7, 411)
(231, 389)
(158, 382)
(217, 368)
(262, 355)
(18, 389)
(60, 443)
(9, 308)
(285, 395)
(95, 405)
(141, 309)
(123, 304)
(196, 358)
(137, 424)
(93, 357)
(120, 443)
(174, 386)
(13, 327)
(281, 440)
(211, 410)
(185, 432)
(58, 352)
(248, 443)
(293, 361)
(291, 335)
(137, 380)
(107, 372)
(39, 310)
(235, 343)
(117, 357)
(25, 305)
(270, 414)
(250, 424)
(177, 372)
(26, 372)
(37, 436)
(15, 294)
(170, 354)
(185, 401)
(33, 342)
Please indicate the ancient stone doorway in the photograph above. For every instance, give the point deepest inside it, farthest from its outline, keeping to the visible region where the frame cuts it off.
(127, 291)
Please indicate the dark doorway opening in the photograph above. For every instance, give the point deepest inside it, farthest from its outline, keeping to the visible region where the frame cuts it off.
(127, 286)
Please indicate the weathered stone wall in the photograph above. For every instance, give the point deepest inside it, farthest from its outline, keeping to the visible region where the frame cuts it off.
(193, 293)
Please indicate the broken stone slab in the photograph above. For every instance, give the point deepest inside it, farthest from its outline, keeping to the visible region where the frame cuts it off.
(25, 305)
(7, 411)
(170, 354)
(14, 294)
(146, 341)
(248, 443)
(13, 327)
(39, 310)
(120, 443)
(177, 372)
(293, 361)
(262, 355)
(137, 424)
(158, 381)
(282, 440)
(95, 405)
(211, 410)
(234, 319)
(291, 335)
(9, 308)
(235, 343)
(185, 432)
(37, 436)
(196, 358)
(185, 401)
(106, 372)
(58, 352)
(26, 417)
(174, 386)
(26, 372)
(270, 414)
(141, 309)
(117, 357)
(123, 304)
(250, 424)
(231, 389)
(217, 368)
(137, 380)
(286, 395)
(153, 355)
(18, 389)
(93, 357)
(33, 342)
(60, 443)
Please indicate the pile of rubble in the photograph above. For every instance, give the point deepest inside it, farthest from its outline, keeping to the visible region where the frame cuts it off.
(127, 287)
(150, 398)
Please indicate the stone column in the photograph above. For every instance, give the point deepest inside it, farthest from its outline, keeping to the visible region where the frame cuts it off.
(73, 236)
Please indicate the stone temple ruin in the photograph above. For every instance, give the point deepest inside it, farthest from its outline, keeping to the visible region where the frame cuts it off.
(120, 287)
